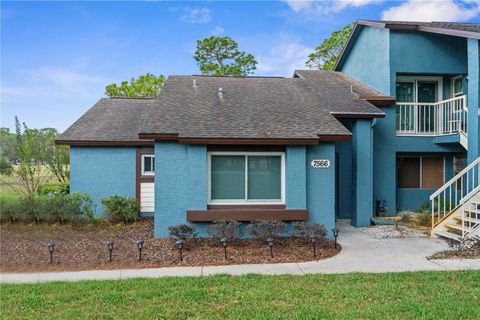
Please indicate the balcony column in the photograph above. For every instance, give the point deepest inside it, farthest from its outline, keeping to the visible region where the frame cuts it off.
(473, 100)
(362, 180)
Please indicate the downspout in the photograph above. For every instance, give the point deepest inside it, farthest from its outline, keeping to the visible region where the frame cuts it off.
(374, 221)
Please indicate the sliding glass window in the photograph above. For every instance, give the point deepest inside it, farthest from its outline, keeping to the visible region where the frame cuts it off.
(241, 178)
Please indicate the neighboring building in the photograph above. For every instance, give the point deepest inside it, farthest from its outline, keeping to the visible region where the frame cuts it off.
(395, 121)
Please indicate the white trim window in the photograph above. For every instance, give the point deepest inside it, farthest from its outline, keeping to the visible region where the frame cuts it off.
(148, 165)
(457, 86)
(246, 177)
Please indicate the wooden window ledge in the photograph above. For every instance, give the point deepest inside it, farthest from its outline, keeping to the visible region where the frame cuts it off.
(244, 214)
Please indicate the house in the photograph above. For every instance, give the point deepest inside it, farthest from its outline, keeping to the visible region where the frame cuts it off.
(394, 123)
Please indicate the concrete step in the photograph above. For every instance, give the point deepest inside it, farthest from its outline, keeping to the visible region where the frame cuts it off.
(448, 235)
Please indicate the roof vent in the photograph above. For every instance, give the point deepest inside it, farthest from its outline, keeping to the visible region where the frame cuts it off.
(194, 82)
(220, 90)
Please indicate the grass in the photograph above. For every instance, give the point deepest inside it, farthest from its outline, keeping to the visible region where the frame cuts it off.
(8, 194)
(420, 295)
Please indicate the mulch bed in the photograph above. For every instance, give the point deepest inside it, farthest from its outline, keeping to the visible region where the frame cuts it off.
(23, 248)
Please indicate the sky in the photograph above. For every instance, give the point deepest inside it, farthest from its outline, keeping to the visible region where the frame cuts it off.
(57, 57)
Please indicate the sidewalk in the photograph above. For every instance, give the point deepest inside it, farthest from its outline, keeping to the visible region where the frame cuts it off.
(360, 253)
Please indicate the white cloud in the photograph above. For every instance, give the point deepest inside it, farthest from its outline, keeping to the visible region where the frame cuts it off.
(325, 7)
(196, 15)
(56, 82)
(218, 31)
(433, 10)
(283, 59)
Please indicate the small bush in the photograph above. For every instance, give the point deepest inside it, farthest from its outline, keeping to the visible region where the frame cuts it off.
(264, 229)
(121, 209)
(424, 207)
(75, 207)
(405, 216)
(6, 167)
(182, 231)
(425, 218)
(306, 230)
(8, 212)
(225, 228)
(61, 188)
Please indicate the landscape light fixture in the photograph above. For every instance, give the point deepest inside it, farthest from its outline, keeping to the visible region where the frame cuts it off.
(51, 247)
(224, 242)
(335, 234)
(110, 249)
(270, 244)
(314, 243)
(140, 247)
(180, 243)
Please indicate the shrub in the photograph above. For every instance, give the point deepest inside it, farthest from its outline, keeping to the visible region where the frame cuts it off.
(425, 218)
(264, 229)
(424, 207)
(225, 228)
(8, 212)
(61, 188)
(121, 209)
(182, 231)
(6, 167)
(73, 207)
(405, 216)
(307, 230)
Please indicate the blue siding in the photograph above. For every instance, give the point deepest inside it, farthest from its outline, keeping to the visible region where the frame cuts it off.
(473, 99)
(295, 177)
(102, 172)
(321, 186)
(368, 60)
(180, 184)
(428, 53)
(362, 198)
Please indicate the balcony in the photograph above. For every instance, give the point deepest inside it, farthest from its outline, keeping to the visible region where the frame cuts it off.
(446, 117)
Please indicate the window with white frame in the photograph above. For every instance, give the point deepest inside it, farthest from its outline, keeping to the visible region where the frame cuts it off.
(457, 86)
(420, 172)
(148, 165)
(253, 177)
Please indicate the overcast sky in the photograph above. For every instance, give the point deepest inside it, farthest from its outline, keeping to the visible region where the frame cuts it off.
(57, 57)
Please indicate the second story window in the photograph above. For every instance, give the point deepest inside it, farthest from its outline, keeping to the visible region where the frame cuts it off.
(148, 165)
(457, 86)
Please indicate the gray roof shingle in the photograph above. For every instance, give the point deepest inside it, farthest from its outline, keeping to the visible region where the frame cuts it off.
(110, 119)
(247, 108)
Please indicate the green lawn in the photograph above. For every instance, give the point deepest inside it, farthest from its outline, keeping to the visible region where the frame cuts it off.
(421, 295)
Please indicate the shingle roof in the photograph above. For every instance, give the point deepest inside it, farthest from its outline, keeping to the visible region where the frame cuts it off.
(110, 119)
(248, 108)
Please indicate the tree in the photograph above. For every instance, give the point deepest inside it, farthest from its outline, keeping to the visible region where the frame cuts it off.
(30, 172)
(8, 145)
(146, 86)
(219, 56)
(56, 157)
(327, 53)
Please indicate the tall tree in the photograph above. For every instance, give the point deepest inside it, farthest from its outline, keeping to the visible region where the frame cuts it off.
(327, 53)
(219, 56)
(146, 86)
(56, 156)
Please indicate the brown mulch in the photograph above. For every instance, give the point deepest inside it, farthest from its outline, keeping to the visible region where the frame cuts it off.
(472, 253)
(23, 248)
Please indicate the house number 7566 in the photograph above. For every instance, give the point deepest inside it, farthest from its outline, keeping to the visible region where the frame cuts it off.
(320, 163)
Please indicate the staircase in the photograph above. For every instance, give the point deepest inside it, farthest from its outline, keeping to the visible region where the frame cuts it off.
(456, 205)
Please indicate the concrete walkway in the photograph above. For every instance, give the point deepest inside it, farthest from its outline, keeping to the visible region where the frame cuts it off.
(361, 253)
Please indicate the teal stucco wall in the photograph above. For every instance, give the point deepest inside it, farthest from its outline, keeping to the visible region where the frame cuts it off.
(321, 186)
(295, 177)
(180, 184)
(102, 172)
(473, 87)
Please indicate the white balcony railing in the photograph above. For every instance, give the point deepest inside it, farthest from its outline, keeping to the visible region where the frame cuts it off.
(432, 119)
